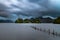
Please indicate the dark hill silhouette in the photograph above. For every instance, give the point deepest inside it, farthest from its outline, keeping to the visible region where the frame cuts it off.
(6, 21)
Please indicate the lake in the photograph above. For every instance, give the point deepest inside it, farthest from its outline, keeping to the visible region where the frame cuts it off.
(16, 31)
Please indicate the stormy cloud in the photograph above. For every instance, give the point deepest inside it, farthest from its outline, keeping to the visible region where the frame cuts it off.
(13, 9)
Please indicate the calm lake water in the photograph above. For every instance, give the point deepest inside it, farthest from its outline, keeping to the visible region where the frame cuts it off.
(13, 31)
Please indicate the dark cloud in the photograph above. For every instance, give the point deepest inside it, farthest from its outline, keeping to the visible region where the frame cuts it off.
(35, 1)
(2, 7)
(3, 11)
(5, 14)
(52, 13)
(12, 9)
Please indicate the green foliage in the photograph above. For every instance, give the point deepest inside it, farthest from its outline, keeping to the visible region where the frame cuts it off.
(32, 20)
(57, 21)
(26, 21)
(19, 21)
(36, 20)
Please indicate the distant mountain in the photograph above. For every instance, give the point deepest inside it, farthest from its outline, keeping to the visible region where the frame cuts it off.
(6, 21)
(46, 20)
(48, 17)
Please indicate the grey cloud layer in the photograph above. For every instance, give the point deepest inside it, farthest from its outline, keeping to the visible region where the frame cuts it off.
(25, 8)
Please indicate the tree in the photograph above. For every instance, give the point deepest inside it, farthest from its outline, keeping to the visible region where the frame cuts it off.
(32, 20)
(26, 21)
(57, 21)
(19, 20)
(36, 20)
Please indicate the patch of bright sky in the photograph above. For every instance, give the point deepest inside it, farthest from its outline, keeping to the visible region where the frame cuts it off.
(25, 17)
(55, 3)
(24, 4)
(49, 17)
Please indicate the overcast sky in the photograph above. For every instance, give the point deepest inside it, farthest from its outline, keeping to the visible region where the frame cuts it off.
(12, 9)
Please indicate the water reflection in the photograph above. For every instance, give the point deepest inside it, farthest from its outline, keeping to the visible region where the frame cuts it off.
(47, 31)
(28, 31)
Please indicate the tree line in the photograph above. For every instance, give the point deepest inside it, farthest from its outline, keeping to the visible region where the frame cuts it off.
(32, 20)
(38, 20)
